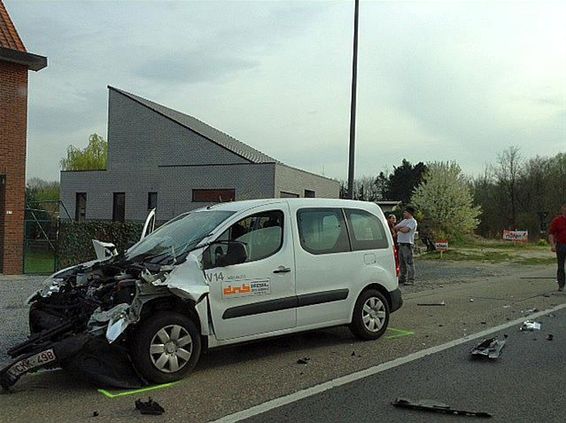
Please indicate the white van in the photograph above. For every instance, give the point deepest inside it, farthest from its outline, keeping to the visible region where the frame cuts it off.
(225, 274)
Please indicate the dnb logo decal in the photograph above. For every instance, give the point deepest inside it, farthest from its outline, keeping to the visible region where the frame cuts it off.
(234, 289)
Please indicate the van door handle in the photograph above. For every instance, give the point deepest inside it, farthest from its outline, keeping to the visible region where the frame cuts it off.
(282, 269)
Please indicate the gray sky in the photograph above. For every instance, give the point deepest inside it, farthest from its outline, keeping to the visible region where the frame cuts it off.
(444, 80)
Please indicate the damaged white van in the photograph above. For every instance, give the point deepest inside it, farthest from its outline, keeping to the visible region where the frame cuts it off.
(219, 275)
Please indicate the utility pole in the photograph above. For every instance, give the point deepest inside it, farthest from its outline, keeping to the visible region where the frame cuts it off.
(353, 103)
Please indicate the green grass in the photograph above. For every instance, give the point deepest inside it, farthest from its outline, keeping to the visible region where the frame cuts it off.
(38, 262)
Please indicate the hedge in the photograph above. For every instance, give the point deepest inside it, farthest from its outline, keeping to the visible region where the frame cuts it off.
(75, 239)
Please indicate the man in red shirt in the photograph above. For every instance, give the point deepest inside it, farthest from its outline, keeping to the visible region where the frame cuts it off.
(557, 238)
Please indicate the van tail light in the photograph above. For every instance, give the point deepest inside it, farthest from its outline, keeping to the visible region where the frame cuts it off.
(396, 254)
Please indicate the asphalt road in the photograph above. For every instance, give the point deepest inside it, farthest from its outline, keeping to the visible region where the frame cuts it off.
(526, 384)
(237, 378)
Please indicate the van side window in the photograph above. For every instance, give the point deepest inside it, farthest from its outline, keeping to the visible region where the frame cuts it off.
(262, 234)
(323, 231)
(366, 230)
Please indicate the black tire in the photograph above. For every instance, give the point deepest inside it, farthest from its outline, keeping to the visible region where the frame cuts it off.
(362, 325)
(159, 367)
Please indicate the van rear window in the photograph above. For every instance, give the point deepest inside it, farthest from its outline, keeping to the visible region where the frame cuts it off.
(323, 231)
(366, 230)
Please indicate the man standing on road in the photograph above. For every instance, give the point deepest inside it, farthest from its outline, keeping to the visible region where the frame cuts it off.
(406, 239)
(557, 238)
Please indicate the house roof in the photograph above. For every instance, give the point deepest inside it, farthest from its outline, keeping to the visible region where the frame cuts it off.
(12, 48)
(201, 128)
(9, 37)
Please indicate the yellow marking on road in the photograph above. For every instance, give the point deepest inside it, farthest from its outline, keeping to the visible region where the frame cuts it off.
(399, 333)
(118, 394)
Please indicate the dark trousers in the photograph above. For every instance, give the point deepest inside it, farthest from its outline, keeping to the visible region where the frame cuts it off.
(560, 257)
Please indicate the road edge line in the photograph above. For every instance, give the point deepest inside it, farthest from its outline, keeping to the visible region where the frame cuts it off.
(352, 377)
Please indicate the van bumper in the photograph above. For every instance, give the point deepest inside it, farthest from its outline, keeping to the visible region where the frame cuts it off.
(396, 300)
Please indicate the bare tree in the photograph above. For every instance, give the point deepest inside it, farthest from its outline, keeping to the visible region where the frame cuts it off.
(507, 172)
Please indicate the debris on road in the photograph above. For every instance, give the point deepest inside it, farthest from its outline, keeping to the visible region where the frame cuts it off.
(303, 360)
(549, 337)
(471, 300)
(436, 407)
(95, 414)
(530, 311)
(442, 303)
(149, 407)
(490, 348)
(529, 325)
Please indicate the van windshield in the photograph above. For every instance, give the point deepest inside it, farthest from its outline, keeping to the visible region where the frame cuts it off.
(177, 236)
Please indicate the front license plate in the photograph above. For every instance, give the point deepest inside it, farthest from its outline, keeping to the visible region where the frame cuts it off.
(37, 360)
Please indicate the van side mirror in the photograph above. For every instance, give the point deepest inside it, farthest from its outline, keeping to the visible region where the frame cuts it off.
(224, 253)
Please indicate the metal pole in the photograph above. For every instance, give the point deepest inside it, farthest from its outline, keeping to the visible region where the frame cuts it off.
(353, 103)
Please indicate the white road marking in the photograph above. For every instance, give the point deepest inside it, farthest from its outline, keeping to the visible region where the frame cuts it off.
(343, 380)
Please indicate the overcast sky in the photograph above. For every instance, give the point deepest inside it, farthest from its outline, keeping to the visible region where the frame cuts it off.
(442, 80)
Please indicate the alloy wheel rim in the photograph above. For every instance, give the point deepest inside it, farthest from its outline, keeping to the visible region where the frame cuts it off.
(171, 348)
(373, 314)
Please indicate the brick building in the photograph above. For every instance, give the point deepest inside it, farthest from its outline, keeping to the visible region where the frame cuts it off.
(15, 62)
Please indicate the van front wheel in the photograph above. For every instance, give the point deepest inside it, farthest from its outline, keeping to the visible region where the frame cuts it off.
(371, 315)
(165, 347)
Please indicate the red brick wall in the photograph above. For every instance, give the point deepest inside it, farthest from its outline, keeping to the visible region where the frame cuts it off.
(13, 121)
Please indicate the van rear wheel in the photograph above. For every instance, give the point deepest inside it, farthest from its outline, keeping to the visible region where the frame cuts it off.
(165, 347)
(371, 315)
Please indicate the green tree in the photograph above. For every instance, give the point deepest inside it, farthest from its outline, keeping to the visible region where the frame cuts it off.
(404, 180)
(445, 200)
(93, 157)
(40, 192)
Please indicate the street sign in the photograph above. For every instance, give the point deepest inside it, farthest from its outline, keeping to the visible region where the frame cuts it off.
(516, 236)
(441, 245)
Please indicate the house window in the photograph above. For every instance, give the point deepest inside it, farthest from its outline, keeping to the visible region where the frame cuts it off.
(119, 207)
(213, 195)
(286, 194)
(80, 207)
(151, 200)
(309, 193)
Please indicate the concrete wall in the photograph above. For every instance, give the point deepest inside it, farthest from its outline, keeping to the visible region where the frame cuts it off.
(13, 124)
(296, 181)
(141, 138)
(174, 186)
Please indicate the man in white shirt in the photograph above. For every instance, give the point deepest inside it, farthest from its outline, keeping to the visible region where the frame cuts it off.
(406, 239)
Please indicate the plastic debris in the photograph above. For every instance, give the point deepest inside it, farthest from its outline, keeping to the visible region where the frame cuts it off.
(529, 325)
(490, 348)
(303, 360)
(442, 303)
(549, 337)
(436, 407)
(471, 300)
(149, 407)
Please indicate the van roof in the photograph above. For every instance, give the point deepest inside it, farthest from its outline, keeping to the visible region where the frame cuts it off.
(237, 206)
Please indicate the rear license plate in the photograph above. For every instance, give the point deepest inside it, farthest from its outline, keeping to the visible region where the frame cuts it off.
(37, 360)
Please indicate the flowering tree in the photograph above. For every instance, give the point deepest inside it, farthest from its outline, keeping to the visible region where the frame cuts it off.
(445, 201)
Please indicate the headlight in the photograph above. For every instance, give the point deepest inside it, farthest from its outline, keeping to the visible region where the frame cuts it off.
(51, 285)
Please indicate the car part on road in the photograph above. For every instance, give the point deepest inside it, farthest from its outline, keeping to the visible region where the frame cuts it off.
(303, 360)
(490, 348)
(549, 337)
(442, 303)
(436, 407)
(529, 325)
(149, 407)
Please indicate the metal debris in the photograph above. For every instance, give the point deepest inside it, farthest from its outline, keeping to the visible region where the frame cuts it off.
(442, 303)
(490, 348)
(436, 407)
(150, 407)
(529, 325)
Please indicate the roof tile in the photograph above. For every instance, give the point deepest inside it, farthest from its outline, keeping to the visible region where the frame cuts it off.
(9, 37)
